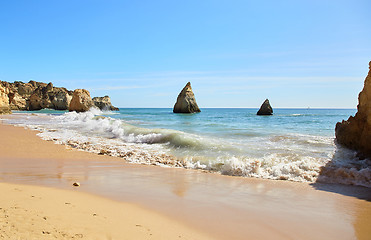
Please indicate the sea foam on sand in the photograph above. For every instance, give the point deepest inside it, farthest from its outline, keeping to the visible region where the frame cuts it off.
(286, 157)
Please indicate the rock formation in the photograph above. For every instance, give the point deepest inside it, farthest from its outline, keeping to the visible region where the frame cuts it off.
(186, 102)
(355, 133)
(104, 103)
(4, 100)
(47, 96)
(37, 95)
(19, 93)
(61, 98)
(81, 101)
(17, 102)
(265, 108)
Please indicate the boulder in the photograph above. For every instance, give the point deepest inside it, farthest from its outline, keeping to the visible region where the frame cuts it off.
(104, 103)
(81, 101)
(186, 102)
(4, 100)
(265, 108)
(355, 133)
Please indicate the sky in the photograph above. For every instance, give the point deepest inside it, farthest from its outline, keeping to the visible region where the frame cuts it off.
(298, 54)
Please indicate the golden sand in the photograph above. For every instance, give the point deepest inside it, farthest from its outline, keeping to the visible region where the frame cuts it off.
(32, 212)
(165, 202)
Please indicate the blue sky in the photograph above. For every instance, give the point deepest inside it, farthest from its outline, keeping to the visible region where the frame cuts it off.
(235, 53)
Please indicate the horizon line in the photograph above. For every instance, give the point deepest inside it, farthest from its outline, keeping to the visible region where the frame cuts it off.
(345, 108)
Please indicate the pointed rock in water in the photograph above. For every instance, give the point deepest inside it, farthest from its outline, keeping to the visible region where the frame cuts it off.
(186, 101)
(355, 133)
(265, 108)
(81, 101)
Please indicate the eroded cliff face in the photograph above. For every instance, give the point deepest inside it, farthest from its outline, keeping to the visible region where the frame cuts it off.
(81, 101)
(37, 95)
(355, 133)
(4, 100)
(104, 103)
(186, 101)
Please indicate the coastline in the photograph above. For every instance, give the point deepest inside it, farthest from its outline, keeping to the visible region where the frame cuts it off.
(224, 207)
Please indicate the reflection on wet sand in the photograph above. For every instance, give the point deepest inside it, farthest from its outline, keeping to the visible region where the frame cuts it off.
(362, 222)
(227, 207)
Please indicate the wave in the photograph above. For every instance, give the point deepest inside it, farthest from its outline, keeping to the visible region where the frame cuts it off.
(92, 123)
(294, 157)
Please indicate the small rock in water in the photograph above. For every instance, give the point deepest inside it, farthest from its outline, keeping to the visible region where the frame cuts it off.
(265, 108)
(186, 101)
(76, 184)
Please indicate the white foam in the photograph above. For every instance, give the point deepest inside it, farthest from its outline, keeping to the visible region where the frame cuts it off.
(294, 157)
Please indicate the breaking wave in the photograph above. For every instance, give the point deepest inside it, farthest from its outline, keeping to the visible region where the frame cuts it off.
(295, 157)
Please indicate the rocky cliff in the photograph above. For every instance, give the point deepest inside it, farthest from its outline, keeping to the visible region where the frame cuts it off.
(355, 133)
(104, 103)
(4, 100)
(186, 101)
(81, 101)
(37, 95)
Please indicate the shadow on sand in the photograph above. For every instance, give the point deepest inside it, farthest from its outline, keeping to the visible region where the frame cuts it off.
(346, 174)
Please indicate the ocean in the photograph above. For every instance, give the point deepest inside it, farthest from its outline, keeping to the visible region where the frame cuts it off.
(293, 144)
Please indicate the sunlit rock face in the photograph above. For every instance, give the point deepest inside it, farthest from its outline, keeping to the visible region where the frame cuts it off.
(104, 103)
(37, 95)
(4, 100)
(186, 101)
(355, 133)
(81, 101)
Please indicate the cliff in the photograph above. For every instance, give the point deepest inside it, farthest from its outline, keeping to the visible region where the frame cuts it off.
(4, 100)
(38, 95)
(81, 101)
(355, 133)
(104, 103)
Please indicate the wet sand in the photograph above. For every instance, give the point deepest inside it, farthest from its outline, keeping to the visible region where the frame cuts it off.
(220, 206)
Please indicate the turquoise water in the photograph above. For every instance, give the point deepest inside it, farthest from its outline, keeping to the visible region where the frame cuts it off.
(292, 144)
(239, 122)
(235, 122)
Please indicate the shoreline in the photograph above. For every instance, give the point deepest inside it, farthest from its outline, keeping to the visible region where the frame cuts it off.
(248, 208)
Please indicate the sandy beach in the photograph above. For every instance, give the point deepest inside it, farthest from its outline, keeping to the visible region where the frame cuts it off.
(117, 200)
(32, 212)
(163, 120)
